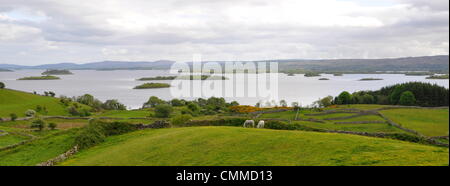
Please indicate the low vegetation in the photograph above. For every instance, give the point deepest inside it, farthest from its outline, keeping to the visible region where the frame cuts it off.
(312, 74)
(370, 79)
(40, 78)
(152, 86)
(56, 72)
(438, 77)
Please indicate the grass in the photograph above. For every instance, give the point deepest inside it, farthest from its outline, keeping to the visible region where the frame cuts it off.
(370, 79)
(38, 151)
(429, 122)
(438, 77)
(152, 85)
(362, 118)
(11, 139)
(17, 102)
(372, 128)
(40, 78)
(235, 146)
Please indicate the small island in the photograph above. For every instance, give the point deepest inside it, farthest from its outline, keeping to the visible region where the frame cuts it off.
(57, 72)
(152, 85)
(5, 70)
(370, 79)
(419, 73)
(324, 79)
(40, 78)
(290, 74)
(445, 76)
(338, 74)
(187, 77)
(312, 74)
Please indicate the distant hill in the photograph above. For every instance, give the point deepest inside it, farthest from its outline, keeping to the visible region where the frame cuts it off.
(425, 63)
(162, 64)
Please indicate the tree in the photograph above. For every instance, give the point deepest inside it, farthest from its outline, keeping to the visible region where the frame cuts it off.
(407, 98)
(39, 124)
(30, 113)
(154, 101)
(113, 104)
(344, 98)
(163, 111)
(324, 102)
(193, 107)
(368, 99)
(2, 85)
(295, 104)
(13, 116)
(283, 103)
(52, 126)
(181, 119)
(176, 103)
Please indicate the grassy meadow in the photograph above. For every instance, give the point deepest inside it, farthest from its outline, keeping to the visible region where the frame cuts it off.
(233, 146)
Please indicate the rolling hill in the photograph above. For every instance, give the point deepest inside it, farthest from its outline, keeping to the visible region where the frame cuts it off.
(235, 146)
(12, 101)
(425, 63)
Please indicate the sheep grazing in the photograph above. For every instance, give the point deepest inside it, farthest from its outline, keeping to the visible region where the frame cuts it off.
(260, 124)
(249, 123)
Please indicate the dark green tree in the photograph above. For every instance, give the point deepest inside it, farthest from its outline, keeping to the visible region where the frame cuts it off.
(407, 98)
(163, 111)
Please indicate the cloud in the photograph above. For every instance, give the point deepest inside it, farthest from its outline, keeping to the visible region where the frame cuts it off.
(83, 31)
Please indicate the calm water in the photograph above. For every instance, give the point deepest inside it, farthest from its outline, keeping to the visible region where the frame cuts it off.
(119, 85)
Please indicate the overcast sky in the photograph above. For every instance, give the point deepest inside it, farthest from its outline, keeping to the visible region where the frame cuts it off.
(53, 31)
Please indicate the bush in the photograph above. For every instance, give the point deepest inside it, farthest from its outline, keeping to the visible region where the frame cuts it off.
(52, 126)
(181, 119)
(13, 116)
(407, 98)
(177, 103)
(39, 124)
(113, 105)
(96, 132)
(153, 102)
(2, 85)
(163, 111)
(30, 113)
(217, 122)
(193, 107)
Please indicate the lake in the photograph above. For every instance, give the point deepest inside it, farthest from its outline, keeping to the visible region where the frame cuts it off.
(119, 85)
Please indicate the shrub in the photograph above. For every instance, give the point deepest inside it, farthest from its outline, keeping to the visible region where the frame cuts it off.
(163, 111)
(177, 102)
(39, 124)
(193, 107)
(13, 116)
(153, 102)
(181, 119)
(96, 132)
(52, 126)
(217, 122)
(30, 113)
(113, 105)
(2, 85)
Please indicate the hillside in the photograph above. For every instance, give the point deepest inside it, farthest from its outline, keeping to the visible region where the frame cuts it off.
(425, 63)
(235, 146)
(18, 102)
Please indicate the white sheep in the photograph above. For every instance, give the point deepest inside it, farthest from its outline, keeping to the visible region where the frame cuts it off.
(260, 124)
(249, 123)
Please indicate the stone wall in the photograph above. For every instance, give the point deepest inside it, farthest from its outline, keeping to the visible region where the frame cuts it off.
(60, 158)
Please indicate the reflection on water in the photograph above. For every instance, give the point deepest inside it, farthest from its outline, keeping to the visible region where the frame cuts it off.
(119, 85)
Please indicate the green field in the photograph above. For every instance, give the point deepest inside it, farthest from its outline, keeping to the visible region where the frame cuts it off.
(38, 151)
(18, 102)
(234, 146)
(429, 122)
